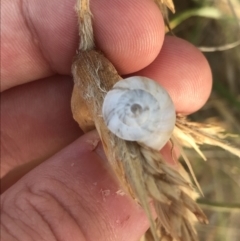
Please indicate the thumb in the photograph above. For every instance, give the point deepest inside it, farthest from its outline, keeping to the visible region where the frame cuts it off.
(72, 196)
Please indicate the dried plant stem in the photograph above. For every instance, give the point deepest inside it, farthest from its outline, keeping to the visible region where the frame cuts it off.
(164, 5)
(142, 171)
(85, 25)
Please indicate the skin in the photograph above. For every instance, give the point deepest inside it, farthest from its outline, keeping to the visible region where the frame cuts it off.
(65, 197)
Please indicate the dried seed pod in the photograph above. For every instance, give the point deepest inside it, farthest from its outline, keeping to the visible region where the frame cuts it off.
(139, 109)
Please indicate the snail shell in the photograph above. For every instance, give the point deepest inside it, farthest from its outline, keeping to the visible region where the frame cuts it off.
(139, 109)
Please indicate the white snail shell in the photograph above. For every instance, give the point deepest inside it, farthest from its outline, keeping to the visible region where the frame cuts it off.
(139, 109)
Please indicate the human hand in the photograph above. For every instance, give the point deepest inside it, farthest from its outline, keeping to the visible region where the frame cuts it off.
(72, 195)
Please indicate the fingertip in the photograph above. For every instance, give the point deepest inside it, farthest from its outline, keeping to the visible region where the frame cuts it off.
(130, 33)
(184, 71)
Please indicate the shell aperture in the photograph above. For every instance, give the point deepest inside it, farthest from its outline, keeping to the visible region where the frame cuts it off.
(139, 109)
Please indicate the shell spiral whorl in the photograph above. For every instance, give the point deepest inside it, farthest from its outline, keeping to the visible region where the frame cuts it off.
(139, 109)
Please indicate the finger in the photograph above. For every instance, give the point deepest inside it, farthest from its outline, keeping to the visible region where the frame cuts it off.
(183, 70)
(72, 196)
(40, 37)
(138, 36)
(36, 121)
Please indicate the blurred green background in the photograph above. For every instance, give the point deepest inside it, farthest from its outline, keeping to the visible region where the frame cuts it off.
(214, 25)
